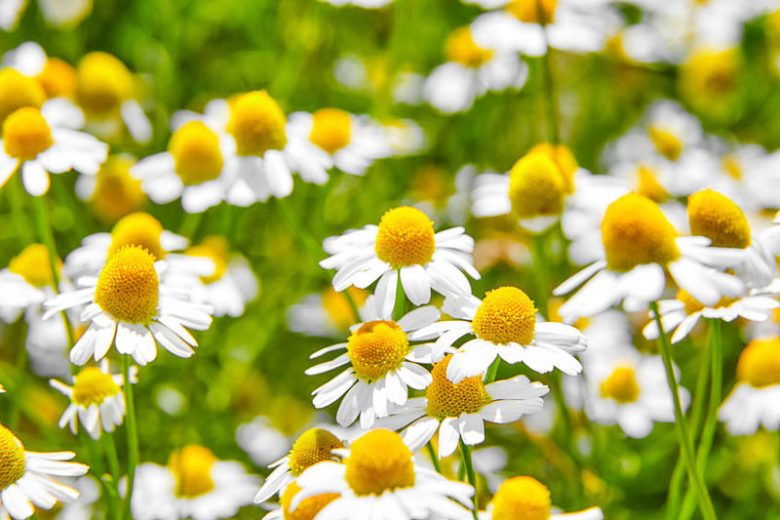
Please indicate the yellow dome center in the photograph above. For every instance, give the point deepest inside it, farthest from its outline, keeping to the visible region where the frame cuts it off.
(192, 466)
(376, 348)
(34, 266)
(93, 386)
(337, 306)
(117, 193)
(506, 315)
(128, 287)
(621, 385)
(647, 184)
(563, 158)
(26, 134)
(521, 498)
(666, 142)
(12, 460)
(18, 91)
(379, 461)
(217, 250)
(759, 363)
(138, 229)
(715, 216)
(308, 508)
(313, 446)
(103, 83)
(448, 399)
(635, 231)
(197, 156)
(331, 129)
(58, 78)
(461, 48)
(710, 74)
(405, 237)
(537, 187)
(528, 10)
(257, 123)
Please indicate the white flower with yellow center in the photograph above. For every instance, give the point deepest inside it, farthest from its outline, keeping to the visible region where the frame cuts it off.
(113, 193)
(195, 484)
(26, 283)
(458, 411)
(525, 498)
(382, 365)
(379, 479)
(33, 143)
(353, 142)
(753, 401)
(312, 446)
(640, 244)
(403, 245)
(26, 477)
(328, 314)
(505, 326)
(128, 305)
(60, 13)
(473, 69)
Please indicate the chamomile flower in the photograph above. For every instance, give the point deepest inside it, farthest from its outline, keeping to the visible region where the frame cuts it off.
(312, 446)
(195, 484)
(353, 142)
(458, 411)
(328, 313)
(527, 498)
(262, 441)
(710, 76)
(381, 366)
(61, 13)
(753, 401)
(97, 400)
(34, 144)
(403, 245)
(26, 477)
(113, 193)
(128, 305)
(379, 477)
(27, 282)
(504, 325)
(57, 78)
(639, 245)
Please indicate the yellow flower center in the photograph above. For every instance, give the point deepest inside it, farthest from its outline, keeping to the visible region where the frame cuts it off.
(709, 74)
(405, 237)
(103, 83)
(647, 184)
(138, 229)
(379, 461)
(34, 266)
(529, 10)
(308, 508)
(620, 386)
(18, 91)
(128, 287)
(461, 48)
(448, 399)
(376, 348)
(563, 158)
(257, 123)
(337, 306)
(117, 193)
(537, 187)
(759, 363)
(192, 466)
(506, 315)
(331, 129)
(26, 134)
(666, 142)
(635, 231)
(732, 167)
(313, 446)
(522, 498)
(12, 460)
(93, 386)
(58, 78)
(196, 154)
(215, 249)
(717, 217)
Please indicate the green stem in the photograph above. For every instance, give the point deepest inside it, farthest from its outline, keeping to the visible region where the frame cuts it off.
(352, 305)
(190, 224)
(16, 198)
(290, 218)
(686, 447)
(549, 85)
(492, 371)
(109, 447)
(434, 457)
(400, 299)
(471, 476)
(132, 435)
(540, 275)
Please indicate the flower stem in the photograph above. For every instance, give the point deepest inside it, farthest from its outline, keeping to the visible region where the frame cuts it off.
(400, 300)
(540, 274)
(132, 435)
(16, 198)
(352, 305)
(109, 447)
(492, 371)
(471, 476)
(434, 457)
(686, 447)
(549, 85)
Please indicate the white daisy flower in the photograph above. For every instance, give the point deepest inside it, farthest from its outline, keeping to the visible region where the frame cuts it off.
(329, 314)
(195, 484)
(458, 411)
(65, 13)
(403, 246)
(365, 4)
(505, 326)
(26, 283)
(130, 305)
(753, 401)
(353, 142)
(97, 400)
(262, 441)
(382, 366)
(10, 12)
(639, 245)
(378, 478)
(84, 507)
(404, 136)
(526, 497)
(33, 143)
(113, 193)
(26, 479)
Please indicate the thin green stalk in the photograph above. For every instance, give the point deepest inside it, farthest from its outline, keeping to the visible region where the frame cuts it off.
(684, 438)
(549, 85)
(434, 457)
(16, 198)
(290, 218)
(400, 299)
(492, 371)
(352, 305)
(132, 435)
(540, 274)
(190, 224)
(471, 476)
